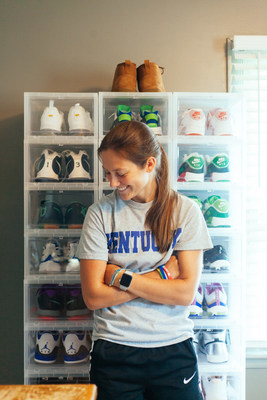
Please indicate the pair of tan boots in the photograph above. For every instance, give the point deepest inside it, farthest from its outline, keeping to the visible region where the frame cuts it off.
(148, 76)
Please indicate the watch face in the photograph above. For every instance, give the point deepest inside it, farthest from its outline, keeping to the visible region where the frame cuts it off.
(125, 280)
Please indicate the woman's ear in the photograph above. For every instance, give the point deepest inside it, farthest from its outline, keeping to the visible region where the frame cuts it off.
(150, 164)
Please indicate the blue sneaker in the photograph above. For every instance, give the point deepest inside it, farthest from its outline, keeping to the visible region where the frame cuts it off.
(123, 114)
(151, 118)
(47, 345)
(216, 259)
(76, 347)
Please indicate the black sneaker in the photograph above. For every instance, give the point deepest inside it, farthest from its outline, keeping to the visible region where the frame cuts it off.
(75, 305)
(48, 167)
(50, 215)
(77, 166)
(74, 216)
(216, 259)
(50, 301)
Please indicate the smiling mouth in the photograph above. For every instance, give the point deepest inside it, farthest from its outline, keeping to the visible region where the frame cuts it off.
(122, 189)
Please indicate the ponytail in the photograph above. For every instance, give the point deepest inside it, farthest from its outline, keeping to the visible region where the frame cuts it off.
(160, 217)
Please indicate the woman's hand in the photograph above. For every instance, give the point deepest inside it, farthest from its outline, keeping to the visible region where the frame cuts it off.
(173, 267)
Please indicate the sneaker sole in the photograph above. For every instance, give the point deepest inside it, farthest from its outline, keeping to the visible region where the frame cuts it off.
(219, 264)
(191, 177)
(217, 311)
(77, 361)
(220, 177)
(219, 222)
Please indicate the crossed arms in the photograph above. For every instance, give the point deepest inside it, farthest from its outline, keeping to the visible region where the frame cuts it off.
(185, 270)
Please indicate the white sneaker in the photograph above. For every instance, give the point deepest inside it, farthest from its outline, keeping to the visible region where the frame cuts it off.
(51, 258)
(76, 347)
(52, 119)
(195, 308)
(214, 387)
(47, 345)
(212, 343)
(77, 166)
(192, 122)
(79, 120)
(216, 300)
(220, 122)
(72, 262)
(48, 166)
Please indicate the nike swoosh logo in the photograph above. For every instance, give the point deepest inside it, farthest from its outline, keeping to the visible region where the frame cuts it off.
(186, 381)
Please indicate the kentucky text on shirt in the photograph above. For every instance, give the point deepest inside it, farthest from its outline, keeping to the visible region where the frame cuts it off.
(135, 241)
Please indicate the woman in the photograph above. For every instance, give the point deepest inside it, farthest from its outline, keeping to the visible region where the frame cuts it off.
(142, 336)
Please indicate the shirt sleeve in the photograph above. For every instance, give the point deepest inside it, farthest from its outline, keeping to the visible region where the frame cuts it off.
(93, 241)
(194, 235)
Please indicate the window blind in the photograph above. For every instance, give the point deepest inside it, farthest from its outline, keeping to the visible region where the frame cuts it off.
(247, 74)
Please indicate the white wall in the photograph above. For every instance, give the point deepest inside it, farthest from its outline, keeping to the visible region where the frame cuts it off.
(72, 46)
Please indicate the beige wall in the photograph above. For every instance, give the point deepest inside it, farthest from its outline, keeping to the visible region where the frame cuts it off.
(72, 46)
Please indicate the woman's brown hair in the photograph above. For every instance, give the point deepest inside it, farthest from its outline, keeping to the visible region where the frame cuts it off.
(136, 142)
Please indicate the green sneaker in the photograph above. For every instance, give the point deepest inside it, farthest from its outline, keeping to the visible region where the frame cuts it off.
(216, 212)
(192, 168)
(151, 118)
(196, 200)
(218, 168)
(123, 114)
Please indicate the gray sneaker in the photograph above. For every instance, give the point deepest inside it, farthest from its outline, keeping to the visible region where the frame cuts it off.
(213, 343)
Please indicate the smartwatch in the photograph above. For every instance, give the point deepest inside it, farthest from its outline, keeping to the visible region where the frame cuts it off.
(126, 280)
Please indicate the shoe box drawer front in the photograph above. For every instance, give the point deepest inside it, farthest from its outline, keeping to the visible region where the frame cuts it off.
(219, 348)
(49, 256)
(204, 161)
(220, 207)
(57, 114)
(50, 304)
(208, 114)
(58, 209)
(221, 386)
(154, 109)
(51, 351)
(61, 163)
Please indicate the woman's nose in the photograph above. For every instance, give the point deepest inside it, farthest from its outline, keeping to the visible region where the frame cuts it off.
(113, 181)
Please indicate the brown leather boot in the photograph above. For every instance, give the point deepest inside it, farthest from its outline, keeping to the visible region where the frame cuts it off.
(125, 77)
(149, 77)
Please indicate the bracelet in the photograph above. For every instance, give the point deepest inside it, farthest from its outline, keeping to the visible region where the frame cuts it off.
(167, 272)
(161, 272)
(164, 272)
(115, 273)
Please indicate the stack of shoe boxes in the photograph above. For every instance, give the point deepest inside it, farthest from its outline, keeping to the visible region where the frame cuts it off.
(61, 182)
(202, 134)
(209, 168)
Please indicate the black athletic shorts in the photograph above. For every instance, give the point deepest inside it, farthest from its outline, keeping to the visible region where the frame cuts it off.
(132, 373)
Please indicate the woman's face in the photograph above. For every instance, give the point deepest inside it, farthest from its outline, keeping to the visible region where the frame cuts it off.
(133, 182)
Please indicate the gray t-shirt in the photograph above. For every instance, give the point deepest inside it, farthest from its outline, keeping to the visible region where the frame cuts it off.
(114, 231)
